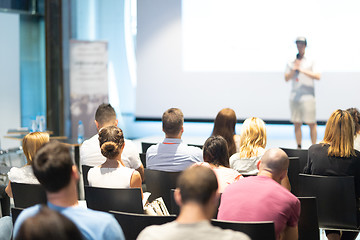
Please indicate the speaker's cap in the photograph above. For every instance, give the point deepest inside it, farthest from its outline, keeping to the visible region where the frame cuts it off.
(301, 40)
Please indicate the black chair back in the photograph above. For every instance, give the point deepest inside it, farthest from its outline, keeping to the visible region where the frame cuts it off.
(255, 230)
(159, 183)
(293, 174)
(143, 159)
(301, 153)
(336, 202)
(116, 199)
(146, 145)
(175, 209)
(308, 226)
(196, 145)
(85, 169)
(15, 212)
(27, 195)
(132, 224)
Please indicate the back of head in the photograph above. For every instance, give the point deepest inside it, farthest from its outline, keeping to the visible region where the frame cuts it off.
(197, 184)
(105, 113)
(339, 134)
(48, 224)
(215, 151)
(52, 166)
(32, 142)
(252, 137)
(172, 121)
(111, 141)
(275, 161)
(224, 125)
(354, 112)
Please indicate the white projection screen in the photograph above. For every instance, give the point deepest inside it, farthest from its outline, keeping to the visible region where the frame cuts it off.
(204, 55)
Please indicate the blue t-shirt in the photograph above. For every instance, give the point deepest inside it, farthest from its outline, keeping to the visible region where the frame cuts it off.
(92, 224)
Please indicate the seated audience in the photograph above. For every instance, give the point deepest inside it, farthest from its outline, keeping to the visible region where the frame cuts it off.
(197, 195)
(262, 198)
(90, 153)
(215, 154)
(54, 169)
(336, 156)
(113, 173)
(31, 143)
(172, 155)
(356, 117)
(48, 224)
(224, 125)
(252, 147)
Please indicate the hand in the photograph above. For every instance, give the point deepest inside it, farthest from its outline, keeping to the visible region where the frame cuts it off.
(296, 66)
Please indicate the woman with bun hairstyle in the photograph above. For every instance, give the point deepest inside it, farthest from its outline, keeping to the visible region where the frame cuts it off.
(31, 143)
(113, 173)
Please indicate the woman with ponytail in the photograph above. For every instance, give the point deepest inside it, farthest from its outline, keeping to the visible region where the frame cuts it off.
(113, 173)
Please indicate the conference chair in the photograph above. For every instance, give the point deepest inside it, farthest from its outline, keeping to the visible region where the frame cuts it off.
(175, 209)
(132, 224)
(308, 226)
(293, 174)
(336, 202)
(146, 145)
(255, 230)
(116, 199)
(196, 145)
(301, 153)
(143, 159)
(15, 212)
(159, 183)
(85, 169)
(27, 195)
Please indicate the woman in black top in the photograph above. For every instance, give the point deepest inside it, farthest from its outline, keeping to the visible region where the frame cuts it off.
(336, 156)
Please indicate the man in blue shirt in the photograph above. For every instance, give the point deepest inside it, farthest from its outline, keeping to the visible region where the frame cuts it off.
(54, 169)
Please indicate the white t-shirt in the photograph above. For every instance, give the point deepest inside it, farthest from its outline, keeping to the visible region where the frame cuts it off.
(22, 175)
(110, 177)
(246, 166)
(90, 153)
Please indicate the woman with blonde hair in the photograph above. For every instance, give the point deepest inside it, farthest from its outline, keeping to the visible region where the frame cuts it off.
(224, 125)
(336, 156)
(113, 173)
(252, 146)
(31, 144)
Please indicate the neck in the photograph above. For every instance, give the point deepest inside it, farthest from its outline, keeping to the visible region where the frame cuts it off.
(113, 163)
(173, 136)
(192, 212)
(66, 197)
(269, 174)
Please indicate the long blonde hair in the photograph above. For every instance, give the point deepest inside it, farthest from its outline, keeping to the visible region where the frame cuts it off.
(31, 144)
(252, 137)
(339, 134)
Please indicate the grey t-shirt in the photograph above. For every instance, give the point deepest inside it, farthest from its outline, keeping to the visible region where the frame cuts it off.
(194, 231)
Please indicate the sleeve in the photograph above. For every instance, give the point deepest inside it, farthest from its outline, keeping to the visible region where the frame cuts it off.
(294, 214)
(133, 155)
(288, 68)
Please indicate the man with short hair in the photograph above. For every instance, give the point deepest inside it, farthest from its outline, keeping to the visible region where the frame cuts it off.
(54, 169)
(262, 198)
(197, 196)
(172, 155)
(90, 153)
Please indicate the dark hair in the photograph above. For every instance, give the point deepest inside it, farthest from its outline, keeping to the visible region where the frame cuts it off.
(215, 151)
(111, 140)
(48, 224)
(354, 112)
(224, 125)
(172, 121)
(197, 184)
(52, 166)
(105, 113)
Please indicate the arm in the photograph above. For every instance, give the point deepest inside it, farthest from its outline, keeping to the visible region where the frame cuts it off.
(290, 233)
(8, 190)
(311, 74)
(290, 74)
(286, 183)
(135, 181)
(141, 171)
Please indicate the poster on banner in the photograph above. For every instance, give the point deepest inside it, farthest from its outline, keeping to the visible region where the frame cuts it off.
(88, 83)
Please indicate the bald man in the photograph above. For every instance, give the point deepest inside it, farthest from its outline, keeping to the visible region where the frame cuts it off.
(262, 198)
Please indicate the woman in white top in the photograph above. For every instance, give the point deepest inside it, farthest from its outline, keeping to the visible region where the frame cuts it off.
(113, 173)
(31, 144)
(354, 112)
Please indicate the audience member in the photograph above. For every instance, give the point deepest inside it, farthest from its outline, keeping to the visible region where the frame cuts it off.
(224, 125)
(356, 117)
(197, 197)
(172, 155)
(54, 169)
(215, 154)
(262, 198)
(252, 147)
(6, 228)
(113, 173)
(336, 156)
(31, 144)
(90, 153)
(48, 224)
